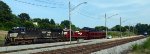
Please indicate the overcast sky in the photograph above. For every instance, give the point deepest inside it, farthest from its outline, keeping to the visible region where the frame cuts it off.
(85, 15)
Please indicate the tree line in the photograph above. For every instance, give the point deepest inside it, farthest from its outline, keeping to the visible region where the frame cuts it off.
(9, 20)
(137, 29)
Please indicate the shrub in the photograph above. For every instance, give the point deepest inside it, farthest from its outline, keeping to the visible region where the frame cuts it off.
(136, 47)
(146, 44)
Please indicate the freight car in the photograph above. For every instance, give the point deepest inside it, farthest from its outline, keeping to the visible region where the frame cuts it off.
(93, 33)
(85, 34)
(22, 35)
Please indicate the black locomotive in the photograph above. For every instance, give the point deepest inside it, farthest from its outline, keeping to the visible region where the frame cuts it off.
(22, 35)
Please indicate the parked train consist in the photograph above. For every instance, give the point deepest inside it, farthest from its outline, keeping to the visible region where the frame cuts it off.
(22, 35)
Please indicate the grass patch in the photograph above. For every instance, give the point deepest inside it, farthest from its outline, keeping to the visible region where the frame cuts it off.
(116, 34)
(136, 47)
(141, 49)
(146, 44)
(2, 37)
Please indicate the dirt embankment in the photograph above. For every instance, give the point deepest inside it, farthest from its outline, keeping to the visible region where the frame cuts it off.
(3, 33)
(2, 36)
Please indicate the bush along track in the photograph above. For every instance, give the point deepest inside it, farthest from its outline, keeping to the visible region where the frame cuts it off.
(141, 49)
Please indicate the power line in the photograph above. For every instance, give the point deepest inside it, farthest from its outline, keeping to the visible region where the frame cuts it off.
(87, 16)
(50, 0)
(32, 4)
(54, 3)
(87, 12)
(84, 14)
(43, 1)
(59, 4)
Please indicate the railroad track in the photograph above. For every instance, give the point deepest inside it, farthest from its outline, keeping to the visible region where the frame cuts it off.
(27, 49)
(87, 49)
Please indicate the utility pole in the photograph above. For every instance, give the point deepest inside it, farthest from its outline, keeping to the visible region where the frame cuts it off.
(106, 24)
(129, 29)
(120, 28)
(133, 30)
(70, 21)
(70, 17)
(106, 30)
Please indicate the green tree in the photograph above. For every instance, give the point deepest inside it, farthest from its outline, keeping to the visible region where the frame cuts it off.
(24, 16)
(36, 20)
(1, 26)
(73, 27)
(28, 24)
(149, 29)
(129, 27)
(5, 12)
(7, 19)
(46, 20)
(52, 22)
(117, 28)
(101, 28)
(58, 26)
(141, 28)
(9, 25)
(44, 25)
(65, 24)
